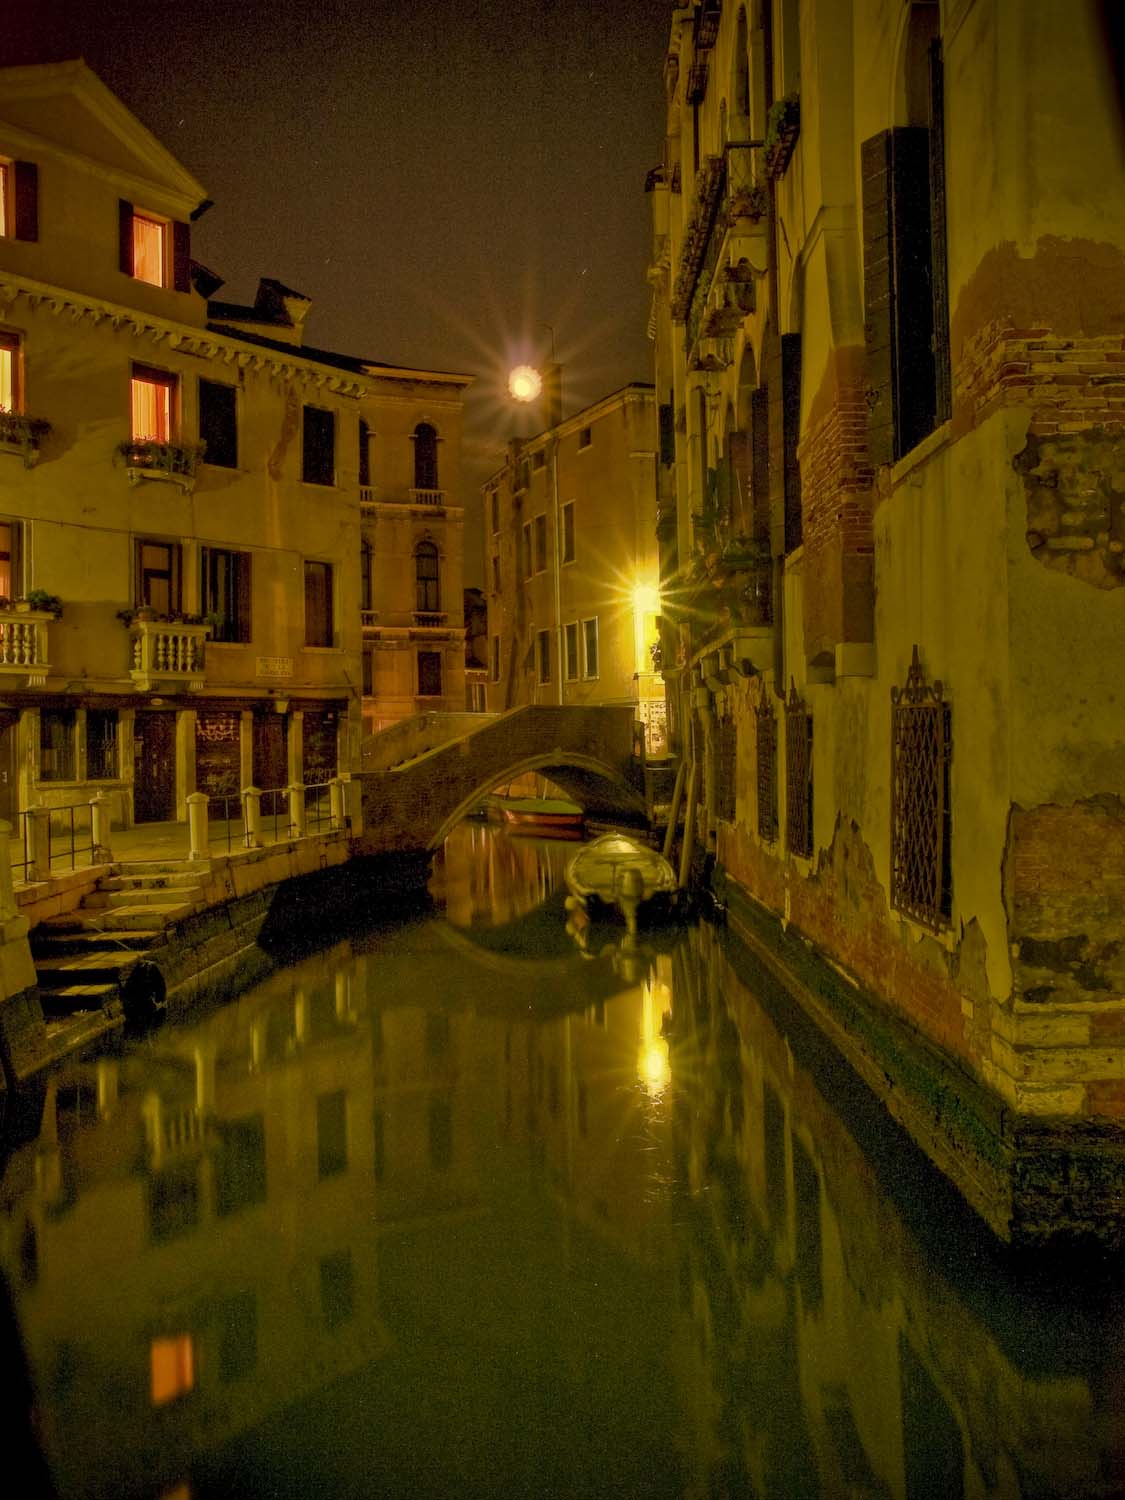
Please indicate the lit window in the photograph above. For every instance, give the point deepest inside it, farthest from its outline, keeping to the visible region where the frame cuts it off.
(5, 197)
(148, 249)
(173, 1368)
(9, 372)
(153, 404)
(11, 568)
(19, 200)
(568, 531)
(572, 651)
(543, 654)
(590, 647)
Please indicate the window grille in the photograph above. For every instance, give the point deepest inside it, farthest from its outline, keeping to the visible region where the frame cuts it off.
(798, 775)
(921, 821)
(725, 769)
(767, 768)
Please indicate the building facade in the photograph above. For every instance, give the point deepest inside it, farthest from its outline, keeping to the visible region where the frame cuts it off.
(188, 532)
(888, 289)
(571, 562)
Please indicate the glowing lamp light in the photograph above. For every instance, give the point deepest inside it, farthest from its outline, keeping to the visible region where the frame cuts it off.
(525, 383)
(646, 599)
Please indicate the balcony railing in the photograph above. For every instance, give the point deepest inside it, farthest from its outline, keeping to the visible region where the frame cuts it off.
(368, 618)
(145, 458)
(21, 434)
(166, 651)
(427, 497)
(430, 617)
(23, 644)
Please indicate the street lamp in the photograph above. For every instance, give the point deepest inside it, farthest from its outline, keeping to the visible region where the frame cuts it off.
(525, 385)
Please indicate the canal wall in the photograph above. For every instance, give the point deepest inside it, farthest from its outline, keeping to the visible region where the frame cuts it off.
(1033, 1179)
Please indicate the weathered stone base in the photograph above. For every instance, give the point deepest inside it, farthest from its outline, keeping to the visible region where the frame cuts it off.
(1032, 1180)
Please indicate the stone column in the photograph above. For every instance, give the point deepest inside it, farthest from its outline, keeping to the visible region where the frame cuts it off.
(297, 821)
(38, 843)
(99, 829)
(198, 836)
(252, 817)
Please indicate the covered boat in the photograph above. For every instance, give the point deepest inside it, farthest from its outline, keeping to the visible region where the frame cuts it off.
(618, 871)
(540, 815)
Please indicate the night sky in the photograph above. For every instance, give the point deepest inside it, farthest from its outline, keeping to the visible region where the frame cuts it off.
(441, 178)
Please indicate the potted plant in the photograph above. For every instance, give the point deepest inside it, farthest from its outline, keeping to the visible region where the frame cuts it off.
(40, 599)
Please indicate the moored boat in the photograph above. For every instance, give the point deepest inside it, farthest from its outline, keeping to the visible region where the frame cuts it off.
(618, 872)
(539, 815)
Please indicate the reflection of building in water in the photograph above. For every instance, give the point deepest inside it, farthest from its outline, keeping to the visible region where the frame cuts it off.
(485, 878)
(199, 1252)
(825, 1336)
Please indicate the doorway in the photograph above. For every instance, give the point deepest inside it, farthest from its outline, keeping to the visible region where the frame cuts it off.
(154, 768)
(271, 760)
(9, 799)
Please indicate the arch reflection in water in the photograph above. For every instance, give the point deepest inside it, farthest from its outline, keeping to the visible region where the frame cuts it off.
(399, 1213)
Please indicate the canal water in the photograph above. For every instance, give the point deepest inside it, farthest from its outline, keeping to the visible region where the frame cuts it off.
(477, 1205)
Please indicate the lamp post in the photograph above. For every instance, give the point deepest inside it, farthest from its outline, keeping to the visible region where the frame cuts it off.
(525, 385)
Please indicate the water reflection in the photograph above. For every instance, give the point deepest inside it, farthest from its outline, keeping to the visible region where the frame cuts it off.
(426, 1217)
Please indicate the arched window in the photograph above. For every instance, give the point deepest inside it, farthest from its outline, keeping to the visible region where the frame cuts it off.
(425, 457)
(426, 580)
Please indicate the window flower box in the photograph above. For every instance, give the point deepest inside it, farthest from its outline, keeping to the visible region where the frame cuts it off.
(147, 458)
(20, 434)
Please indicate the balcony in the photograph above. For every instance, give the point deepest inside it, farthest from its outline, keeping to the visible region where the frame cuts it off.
(145, 458)
(427, 497)
(167, 653)
(430, 619)
(22, 435)
(368, 618)
(24, 646)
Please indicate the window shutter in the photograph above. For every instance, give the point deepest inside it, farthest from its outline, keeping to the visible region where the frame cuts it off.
(943, 383)
(760, 462)
(125, 236)
(245, 632)
(181, 257)
(738, 445)
(790, 433)
(27, 200)
(878, 326)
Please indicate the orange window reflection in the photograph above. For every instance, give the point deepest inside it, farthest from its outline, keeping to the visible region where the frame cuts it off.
(173, 1368)
(148, 250)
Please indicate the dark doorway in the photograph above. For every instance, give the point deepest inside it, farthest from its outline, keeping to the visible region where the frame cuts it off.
(154, 768)
(9, 801)
(271, 759)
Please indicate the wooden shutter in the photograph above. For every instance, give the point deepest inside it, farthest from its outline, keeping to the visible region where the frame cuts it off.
(27, 200)
(943, 381)
(125, 236)
(878, 303)
(790, 434)
(181, 257)
(760, 462)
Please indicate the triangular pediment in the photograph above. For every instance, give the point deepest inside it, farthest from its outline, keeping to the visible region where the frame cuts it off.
(67, 106)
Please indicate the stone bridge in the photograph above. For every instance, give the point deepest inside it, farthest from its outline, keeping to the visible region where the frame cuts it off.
(422, 776)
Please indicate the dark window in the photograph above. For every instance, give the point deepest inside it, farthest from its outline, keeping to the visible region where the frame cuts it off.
(585, 437)
(331, 1134)
(337, 1288)
(318, 603)
(226, 592)
(767, 768)
(590, 647)
(19, 200)
(538, 460)
(427, 583)
(540, 543)
(441, 1134)
(239, 1164)
(798, 776)
(425, 457)
(496, 575)
(368, 660)
(158, 576)
(173, 1202)
(495, 507)
(429, 674)
(319, 446)
(921, 815)
(725, 764)
(218, 423)
(238, 1336)
(366, 555)
(364, 453)
(568, 531)
(527, 549)
(667, 433)
(101, 744)
(571, 635)
(56, 744)
(543, 655)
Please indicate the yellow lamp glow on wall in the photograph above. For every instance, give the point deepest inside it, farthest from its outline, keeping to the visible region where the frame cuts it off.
(525, 383)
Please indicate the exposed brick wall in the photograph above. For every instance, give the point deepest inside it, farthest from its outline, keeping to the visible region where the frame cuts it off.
(836, 492)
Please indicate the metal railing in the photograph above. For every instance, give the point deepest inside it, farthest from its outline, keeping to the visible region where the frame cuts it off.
(50, 839)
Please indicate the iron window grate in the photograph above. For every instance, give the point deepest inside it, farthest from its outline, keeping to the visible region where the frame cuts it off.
(767, 768)
(798, 775)
(921, 818)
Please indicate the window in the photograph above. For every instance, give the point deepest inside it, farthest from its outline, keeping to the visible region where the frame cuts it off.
(10, 370)
(337, 1288)
(568, 531)
(19, 200)
(425, 457)
(56, 744)
(543, 655)
(101, 744)
(318, 448)
(767, 768)
(318, 603)
(527, 549)
(590, 647)
(538, 460)
(585, 437)
(226, 592)
(540, 543)
(368, 662)
(921, 812)
(218, 423)
(725, 765)
(157, 575)
(798, 776)
(496, 575)
(238, 1336)
(427, 583)
(153, 249)
(441, 1134)
(364, 453)
(495, 508)
(905, 283)
(11, 559)
(154, 404)
(366, 559)
(495, 671)
(331, 1134)
(429, 674)
(571, 647)
(172, 1368)
(477, 700)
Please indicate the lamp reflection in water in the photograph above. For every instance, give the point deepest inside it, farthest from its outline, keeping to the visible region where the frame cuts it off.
(654, 1069)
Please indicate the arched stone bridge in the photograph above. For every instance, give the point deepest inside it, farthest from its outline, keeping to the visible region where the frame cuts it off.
(422, 776)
